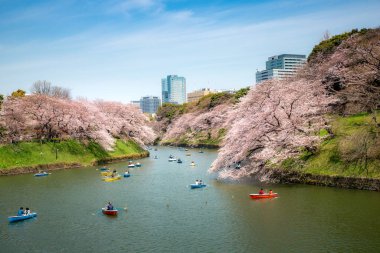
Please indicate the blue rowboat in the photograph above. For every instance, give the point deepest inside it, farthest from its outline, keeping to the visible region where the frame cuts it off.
(138, 165)
(22, 217)
(41, 174)
(103, 169)
(195, 186)
(127, 175)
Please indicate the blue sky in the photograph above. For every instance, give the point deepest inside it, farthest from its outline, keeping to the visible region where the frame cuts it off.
(120, 49)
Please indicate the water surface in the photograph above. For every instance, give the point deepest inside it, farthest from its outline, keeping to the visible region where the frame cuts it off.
(164, 215)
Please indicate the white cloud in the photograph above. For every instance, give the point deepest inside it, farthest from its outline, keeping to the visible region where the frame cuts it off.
(129, 64)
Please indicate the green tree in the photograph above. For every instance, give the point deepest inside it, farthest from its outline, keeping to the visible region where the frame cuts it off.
(18, 93)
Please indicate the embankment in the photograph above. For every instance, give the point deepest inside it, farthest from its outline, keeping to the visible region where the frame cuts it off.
(295, 177)
(30, 157)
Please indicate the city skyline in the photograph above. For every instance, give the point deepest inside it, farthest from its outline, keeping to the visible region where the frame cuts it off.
(106, 49)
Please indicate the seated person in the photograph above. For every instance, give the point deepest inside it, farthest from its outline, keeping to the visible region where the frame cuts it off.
(109, 206)
(261, 191)
(270, 192)
(20, 211)
(27, 211)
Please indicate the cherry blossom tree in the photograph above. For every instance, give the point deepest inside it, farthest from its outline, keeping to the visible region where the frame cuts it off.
(126, 121)
(46, 117)
(190, 124)
(273, 122)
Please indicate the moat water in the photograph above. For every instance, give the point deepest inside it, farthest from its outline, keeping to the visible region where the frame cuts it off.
(159, 213)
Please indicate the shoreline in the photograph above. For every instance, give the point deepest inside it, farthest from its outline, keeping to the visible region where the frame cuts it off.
(60, 166)
(295, 177)
(209, 146)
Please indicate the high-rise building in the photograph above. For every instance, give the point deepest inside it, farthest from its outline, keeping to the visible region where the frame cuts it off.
(197, 94)
(150, 104)
(281, 66)
(173, 89)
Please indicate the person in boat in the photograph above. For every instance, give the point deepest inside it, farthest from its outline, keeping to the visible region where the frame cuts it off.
(200, 182)
(261, 191)
(109, 206)
(20, 211)
(270, 192)
(113, 173)
(27, 211)
(196, 182)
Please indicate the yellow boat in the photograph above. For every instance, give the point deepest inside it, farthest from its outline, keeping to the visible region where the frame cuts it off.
(106, 173)
(111, 179)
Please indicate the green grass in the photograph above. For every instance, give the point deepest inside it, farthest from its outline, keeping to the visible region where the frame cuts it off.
(26, 154)
(329, 160)
(328, 46)
(126, 147)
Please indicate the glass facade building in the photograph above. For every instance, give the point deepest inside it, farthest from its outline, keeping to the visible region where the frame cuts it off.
(150, 104)
(281, 66)
(173, 89)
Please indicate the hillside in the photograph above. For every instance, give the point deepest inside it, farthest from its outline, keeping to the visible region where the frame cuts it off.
(43, 130)
(322, 122)
(352, 149)
(27, 157)
(198, 124)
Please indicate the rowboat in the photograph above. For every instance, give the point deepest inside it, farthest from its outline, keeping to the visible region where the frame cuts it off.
(179, 161)
(42, 174)
(131, 165)
(188, 154)
(138, 165)
(103, 169)
(106, 173)
(127, 174)
(192, 164)
(172, 159)
(195, 186)
(111, 179)
(22, 217)
(109, 212)
(263, 196)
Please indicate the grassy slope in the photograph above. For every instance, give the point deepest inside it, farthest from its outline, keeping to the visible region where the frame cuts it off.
(26, 154)
(328, 160)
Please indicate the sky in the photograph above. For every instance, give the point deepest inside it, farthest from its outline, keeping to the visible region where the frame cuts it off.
(120, 49)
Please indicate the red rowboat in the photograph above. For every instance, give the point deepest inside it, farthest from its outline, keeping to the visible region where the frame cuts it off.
(263, 196)
(109, 212)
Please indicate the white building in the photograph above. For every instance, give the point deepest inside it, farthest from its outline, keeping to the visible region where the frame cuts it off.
(281, 66)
